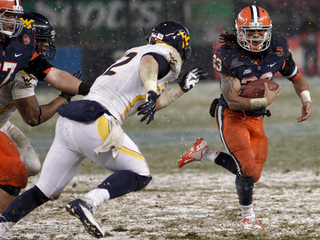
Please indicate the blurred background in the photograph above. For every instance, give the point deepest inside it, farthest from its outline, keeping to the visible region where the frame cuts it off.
(92, 34)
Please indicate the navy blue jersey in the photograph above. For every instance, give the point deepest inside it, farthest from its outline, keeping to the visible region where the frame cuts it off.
(236, 62)
(16, 56)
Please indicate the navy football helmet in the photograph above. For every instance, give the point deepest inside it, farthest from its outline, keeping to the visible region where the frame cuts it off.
(43, 31)
(175, 35)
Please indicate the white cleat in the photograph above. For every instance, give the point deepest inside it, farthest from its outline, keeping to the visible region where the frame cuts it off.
(251, 223)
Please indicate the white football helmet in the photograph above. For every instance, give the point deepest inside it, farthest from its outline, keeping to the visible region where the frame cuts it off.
(10, 7)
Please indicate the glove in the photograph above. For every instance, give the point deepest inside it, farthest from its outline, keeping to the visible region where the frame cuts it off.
(191, 78)
(79, 75)
(148, 109)
(67, 96)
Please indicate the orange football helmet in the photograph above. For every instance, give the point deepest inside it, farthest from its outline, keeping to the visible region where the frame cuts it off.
(12, 7)
(253, 18)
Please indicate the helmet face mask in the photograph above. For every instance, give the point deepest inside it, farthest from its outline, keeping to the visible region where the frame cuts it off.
(9, 24)
(43, 31)
(253, 21)
(175, 35)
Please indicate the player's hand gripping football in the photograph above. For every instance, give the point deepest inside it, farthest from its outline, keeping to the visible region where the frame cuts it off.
(191, 78)
(148, 109)
(271, 95)
(68, 96)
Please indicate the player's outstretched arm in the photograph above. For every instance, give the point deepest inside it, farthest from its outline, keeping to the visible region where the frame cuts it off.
(65, 82)
(188, 81)
(301, 87)
(33, 114)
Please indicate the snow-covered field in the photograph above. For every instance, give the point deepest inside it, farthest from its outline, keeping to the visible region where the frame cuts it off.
(186, 205)
(197, 201)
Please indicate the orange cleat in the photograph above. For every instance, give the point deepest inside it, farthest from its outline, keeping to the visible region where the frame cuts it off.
(251, 223)
(194, 154)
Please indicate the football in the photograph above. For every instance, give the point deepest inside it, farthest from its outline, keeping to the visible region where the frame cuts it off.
(255, 89)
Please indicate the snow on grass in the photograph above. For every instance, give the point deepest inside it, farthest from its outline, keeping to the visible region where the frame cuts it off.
(186, 205)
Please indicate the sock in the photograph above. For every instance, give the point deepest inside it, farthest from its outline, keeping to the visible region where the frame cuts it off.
(244, 189)
(24, 204)
(247, 211)
(209, 155)
(97, 196)
(225, 160)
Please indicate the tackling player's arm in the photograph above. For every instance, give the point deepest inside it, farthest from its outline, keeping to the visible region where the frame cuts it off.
(230, 87)
(33, 114)
(59, 79)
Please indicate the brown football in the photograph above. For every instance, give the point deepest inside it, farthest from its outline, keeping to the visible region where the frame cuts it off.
(255, 89)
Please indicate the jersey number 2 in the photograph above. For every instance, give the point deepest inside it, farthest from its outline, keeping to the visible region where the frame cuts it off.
(128, 57)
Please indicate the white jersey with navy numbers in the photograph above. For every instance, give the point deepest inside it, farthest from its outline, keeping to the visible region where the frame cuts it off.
(21, 87)
(120, 90)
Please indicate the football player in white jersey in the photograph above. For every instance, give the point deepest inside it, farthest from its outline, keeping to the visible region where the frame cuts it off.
(92, 127)
(19, 94)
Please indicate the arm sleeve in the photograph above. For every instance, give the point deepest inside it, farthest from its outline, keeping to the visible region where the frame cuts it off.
(164, 66)
(39, 67)
(290, 69)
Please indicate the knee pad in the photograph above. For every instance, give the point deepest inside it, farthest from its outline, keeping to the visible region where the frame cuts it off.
(123, 182)
(142, 181)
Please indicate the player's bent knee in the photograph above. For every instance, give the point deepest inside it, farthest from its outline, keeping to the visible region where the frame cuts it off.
(142, 181)
(15, 174)
(256, 177)
(124, 182)
(248, 170)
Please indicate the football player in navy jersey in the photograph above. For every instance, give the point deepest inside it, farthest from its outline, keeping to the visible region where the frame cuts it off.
(20, 94)
(18, 52)
(252, 53)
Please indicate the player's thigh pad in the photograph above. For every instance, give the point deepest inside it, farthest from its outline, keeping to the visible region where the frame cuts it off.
(89, 136)
(13, 172)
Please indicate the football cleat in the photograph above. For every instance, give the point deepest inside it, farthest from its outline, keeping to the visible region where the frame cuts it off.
(251, 223)
(4, 226)
(84, 212)
(194, 154)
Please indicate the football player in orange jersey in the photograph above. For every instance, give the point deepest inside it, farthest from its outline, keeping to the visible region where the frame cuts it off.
(252, 53)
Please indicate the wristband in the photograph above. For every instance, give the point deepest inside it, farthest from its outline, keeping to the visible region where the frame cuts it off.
(258, 102)
(84, 88)
(149, 77)
(305, 96)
